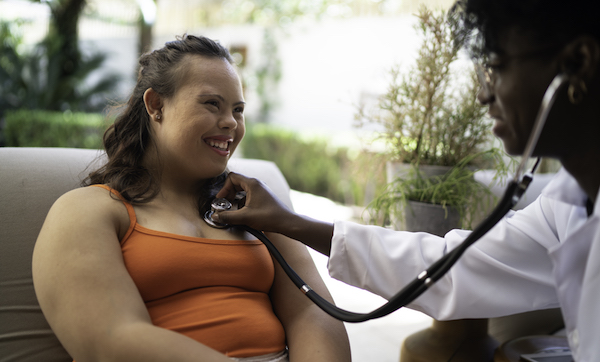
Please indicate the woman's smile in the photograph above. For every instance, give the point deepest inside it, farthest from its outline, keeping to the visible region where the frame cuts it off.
(219, 145)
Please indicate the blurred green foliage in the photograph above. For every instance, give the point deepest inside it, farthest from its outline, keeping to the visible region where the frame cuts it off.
(430, 114)
(32, 76)
(36, 128)
(313, 166)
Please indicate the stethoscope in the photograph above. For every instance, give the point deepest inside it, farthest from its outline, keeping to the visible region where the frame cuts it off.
(514, 191)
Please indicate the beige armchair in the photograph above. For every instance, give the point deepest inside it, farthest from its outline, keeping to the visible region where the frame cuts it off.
(31, 179)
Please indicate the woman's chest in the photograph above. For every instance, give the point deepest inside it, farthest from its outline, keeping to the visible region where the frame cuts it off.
(161, 264)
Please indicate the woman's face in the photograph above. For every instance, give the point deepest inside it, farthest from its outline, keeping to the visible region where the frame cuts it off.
(202, 124)
(522, 71)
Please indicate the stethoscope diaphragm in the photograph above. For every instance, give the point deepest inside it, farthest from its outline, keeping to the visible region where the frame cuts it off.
(221, 204)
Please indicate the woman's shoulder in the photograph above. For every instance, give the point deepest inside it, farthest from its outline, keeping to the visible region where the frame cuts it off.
(91, 204)
(89, 197)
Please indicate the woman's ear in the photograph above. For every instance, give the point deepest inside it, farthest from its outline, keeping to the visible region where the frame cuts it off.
(154, 104)
(581, 58)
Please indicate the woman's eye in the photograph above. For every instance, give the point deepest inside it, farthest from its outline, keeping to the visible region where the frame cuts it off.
(213, 103)
(239, 110)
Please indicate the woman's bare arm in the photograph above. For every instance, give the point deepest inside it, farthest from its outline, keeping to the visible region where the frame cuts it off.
(312, 335)
(86, 293)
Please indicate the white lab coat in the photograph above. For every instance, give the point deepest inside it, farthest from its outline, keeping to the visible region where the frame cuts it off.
(544, 256)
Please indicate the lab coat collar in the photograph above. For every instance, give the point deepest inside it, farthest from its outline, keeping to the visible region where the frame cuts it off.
(565, 188)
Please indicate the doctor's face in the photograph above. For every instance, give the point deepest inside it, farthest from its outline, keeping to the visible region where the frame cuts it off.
(519, 74)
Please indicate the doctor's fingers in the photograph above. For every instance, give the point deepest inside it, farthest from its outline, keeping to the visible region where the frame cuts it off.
(234, 183)
(258, 194)
(234, 217)
(254, 218)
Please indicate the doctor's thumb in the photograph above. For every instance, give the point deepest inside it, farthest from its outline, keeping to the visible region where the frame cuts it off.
(228, 217)
(217, 217)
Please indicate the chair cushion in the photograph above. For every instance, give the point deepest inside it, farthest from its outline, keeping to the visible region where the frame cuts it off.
(31, 179)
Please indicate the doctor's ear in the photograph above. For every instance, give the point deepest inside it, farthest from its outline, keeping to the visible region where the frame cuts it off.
(581, 58)
(154, 104)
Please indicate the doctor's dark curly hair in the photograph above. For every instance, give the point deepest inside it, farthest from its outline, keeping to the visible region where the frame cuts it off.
(552, 22)
(128, 138)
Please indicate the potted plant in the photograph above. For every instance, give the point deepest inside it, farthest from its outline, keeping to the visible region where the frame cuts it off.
(437, 136)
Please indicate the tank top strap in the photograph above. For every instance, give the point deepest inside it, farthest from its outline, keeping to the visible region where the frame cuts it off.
(130, 210)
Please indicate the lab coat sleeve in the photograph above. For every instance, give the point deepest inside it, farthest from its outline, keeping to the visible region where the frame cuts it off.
(506, 272)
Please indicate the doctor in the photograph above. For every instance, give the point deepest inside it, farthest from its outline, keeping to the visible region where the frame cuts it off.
(545, 256)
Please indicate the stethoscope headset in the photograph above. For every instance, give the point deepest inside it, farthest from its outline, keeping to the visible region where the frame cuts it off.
(513, 193)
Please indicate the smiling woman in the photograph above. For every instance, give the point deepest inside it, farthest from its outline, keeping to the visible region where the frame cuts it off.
(142, 276)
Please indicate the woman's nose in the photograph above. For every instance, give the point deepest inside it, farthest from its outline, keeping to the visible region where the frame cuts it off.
(228, 121)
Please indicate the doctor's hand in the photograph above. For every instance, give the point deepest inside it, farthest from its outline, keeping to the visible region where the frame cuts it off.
(262, 210)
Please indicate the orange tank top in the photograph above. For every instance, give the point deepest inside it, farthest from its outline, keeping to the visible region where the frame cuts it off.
(213, 291)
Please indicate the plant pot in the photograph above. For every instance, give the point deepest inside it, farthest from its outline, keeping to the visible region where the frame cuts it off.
(422, 216)
(430, 218)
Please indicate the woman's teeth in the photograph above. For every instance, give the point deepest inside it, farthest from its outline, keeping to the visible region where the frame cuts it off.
(222, 145)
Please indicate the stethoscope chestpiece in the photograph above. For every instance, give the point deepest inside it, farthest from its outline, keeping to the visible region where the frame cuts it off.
(217, 205)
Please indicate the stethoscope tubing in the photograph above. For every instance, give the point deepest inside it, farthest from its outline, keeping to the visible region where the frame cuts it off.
(410, 292)
(514, 191)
